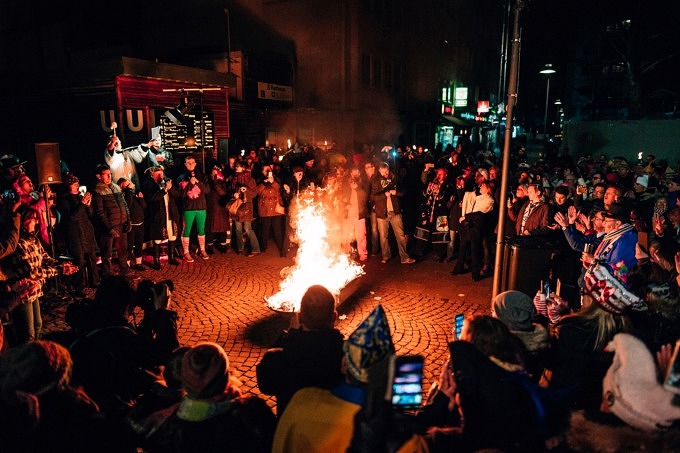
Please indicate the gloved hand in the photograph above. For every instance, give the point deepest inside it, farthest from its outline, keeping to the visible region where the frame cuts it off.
(127, 227)
(540, 304)
(556, 307)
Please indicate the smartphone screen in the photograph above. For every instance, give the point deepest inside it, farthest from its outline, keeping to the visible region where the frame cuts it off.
(406, 381)
(82, 190)
(458, 324)
(672, 381)
(546, 288)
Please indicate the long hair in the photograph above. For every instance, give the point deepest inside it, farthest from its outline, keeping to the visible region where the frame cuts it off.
(493, 338)
(604, 324)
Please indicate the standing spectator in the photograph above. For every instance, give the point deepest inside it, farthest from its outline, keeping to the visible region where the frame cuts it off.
(113, 220)
(271, 211)
(369, 173)
(11, 167)
(618, 247)
(291, 192)
(474, 224)
(515, 204)
(354, 196)
(385, 196)
(155, 153)
(162, 213)
(31, 262)
(137, 206)
(76, 211)
(432, 226)
(533, 218)
(123, 161)
(35, 200)
(218, 226)
(193, 188)
(243, 187)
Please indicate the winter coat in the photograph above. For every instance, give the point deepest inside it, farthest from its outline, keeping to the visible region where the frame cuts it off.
(110, 208)
(136, 205)
(268, 198)
(156, 208)
(379, 186)
(217, 216)
(304, 358)
(245, 185)
(75, 220)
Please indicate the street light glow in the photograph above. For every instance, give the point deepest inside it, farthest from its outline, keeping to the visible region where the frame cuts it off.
(548, 69)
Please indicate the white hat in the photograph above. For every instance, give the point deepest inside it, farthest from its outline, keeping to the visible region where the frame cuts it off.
(642, 180)
(631, 389)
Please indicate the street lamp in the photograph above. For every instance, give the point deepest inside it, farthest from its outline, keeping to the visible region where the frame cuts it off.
(547, 70)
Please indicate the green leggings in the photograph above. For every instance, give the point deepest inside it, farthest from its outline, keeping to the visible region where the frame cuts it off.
(194, 216)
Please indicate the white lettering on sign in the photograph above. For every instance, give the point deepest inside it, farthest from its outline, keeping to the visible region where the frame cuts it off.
(274, 92)
(134, 119)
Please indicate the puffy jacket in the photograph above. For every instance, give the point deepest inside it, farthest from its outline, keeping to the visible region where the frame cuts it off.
(110, 208)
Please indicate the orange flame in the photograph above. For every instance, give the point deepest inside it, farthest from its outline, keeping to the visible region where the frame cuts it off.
(319, 260)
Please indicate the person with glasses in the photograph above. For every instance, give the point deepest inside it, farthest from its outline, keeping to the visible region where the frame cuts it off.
(618, 246)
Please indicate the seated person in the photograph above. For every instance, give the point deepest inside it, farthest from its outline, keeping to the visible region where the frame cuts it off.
(308, 354)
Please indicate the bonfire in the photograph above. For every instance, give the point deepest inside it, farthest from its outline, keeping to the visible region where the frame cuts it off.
(320, 259)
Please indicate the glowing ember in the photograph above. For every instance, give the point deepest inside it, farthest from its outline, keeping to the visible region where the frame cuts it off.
(319, 259)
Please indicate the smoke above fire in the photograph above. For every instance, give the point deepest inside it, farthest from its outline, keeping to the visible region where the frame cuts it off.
(321, 258)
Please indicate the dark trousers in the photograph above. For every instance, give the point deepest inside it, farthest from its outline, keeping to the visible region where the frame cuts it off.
(106, 245)
(135, 241)
(471, 240)
(87, 266)
(272, 224)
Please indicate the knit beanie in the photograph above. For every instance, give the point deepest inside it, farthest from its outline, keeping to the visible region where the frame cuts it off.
(35, 368)
(515, 309)
(205, 370)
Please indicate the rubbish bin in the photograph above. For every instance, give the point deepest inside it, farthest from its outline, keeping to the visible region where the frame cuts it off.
(526, 261)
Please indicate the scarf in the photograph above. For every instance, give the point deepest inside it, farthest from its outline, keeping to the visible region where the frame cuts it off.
(527, 212)
(610, 238)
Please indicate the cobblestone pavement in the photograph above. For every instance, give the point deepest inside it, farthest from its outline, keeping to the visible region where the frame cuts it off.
(222, 300)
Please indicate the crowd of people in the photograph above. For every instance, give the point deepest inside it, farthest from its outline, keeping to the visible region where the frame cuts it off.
(540, 372)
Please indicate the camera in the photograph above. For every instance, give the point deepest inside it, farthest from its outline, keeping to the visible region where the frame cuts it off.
(154, 295)
(405, 381)
(8, 196)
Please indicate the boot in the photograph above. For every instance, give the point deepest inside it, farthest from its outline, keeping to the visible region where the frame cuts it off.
(171, 255)
(222, 248)
(209, 249)
(156, 257)
(201, 246)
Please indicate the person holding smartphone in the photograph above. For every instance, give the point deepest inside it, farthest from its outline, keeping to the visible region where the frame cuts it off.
(76, 211)
(483, 383)
(270, 210)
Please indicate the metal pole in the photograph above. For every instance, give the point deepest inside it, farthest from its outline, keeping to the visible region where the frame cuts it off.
(545, 118)
(512, 100)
